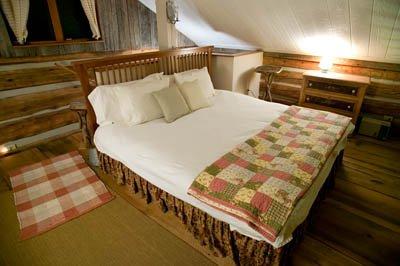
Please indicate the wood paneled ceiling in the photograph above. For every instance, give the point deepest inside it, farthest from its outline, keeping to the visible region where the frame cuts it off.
(363, 29)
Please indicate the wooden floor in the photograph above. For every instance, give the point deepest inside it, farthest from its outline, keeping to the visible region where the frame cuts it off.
(358, 223)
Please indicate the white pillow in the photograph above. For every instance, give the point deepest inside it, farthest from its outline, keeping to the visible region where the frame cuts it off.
(201, 75)
(138, 104)
(106, 104)
(153, 76)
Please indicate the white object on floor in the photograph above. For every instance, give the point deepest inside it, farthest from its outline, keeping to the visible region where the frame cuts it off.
(93, 157)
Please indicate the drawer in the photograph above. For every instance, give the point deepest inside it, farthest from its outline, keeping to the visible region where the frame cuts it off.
(332, 103)
(342, 89)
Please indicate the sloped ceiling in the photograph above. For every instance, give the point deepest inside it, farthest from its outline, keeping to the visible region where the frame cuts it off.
(362, 29)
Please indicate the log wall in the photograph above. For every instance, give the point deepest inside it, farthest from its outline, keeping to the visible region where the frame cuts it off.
(35, 93)
(382, 96)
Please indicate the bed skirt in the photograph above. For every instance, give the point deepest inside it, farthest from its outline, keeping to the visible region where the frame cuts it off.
(209, 231)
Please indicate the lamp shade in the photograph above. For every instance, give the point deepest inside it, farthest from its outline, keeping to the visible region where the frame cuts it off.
(326, 63)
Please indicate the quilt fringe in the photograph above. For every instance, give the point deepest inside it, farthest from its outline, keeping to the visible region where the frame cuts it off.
(214, 234)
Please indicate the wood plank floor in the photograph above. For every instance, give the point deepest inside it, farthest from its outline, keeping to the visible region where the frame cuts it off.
(358, 223)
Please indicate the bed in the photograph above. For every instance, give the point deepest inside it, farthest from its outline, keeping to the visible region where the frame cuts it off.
(161, 160)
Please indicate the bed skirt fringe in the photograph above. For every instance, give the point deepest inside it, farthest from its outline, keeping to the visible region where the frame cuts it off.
(214, 234)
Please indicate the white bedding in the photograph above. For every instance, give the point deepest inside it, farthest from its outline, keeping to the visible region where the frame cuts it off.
(170, 156)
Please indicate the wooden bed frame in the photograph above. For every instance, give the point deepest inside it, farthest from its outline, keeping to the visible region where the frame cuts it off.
(123, 68)
(210, 231)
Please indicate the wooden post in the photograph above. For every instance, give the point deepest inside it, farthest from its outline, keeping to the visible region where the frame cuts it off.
(55, 19)
(167, 37)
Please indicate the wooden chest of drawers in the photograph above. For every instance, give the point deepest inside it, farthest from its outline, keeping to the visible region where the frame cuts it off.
(334, 92)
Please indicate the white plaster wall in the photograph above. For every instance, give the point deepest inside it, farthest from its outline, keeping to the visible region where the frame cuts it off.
(245, 78)
(236, 73)
(222, 72)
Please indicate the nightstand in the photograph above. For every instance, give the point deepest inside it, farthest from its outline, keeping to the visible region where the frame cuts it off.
(334, 92)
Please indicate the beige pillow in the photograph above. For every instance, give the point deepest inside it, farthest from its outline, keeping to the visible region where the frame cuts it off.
(172, 103)
(194, 95)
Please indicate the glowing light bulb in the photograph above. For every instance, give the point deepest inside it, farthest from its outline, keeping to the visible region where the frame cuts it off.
(3, 149)
(326, 63)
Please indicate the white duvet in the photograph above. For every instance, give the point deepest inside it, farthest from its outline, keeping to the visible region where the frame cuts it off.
(170, 156)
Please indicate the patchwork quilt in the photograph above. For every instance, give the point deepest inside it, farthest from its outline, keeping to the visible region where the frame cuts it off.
(261, 180)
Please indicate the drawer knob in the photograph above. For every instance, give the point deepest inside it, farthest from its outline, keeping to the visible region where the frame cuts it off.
(348, 106)
(308, 99)
(310, 84)
(353, 91)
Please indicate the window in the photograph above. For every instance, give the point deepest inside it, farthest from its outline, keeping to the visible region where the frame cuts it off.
(73, 19)
(55, 21)
(39, 23)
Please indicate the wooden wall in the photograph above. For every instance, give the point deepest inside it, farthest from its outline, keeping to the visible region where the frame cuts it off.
(35, 93)
(34, 99)
(124, 25)
(130, 25)
(382, 97)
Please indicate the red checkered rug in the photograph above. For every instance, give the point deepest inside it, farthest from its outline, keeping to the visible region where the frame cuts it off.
(55, 191)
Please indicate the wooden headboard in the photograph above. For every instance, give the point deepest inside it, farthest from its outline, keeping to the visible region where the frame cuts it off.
(123, 68)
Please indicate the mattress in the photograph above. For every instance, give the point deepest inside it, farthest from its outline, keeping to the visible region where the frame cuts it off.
(171, 155)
